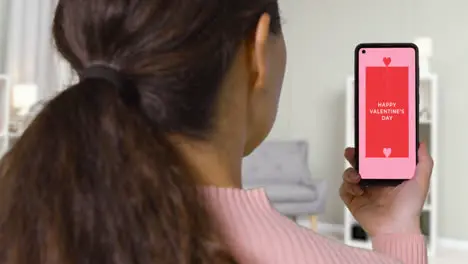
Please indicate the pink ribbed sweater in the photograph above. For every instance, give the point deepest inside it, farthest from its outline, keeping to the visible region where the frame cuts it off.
(257, 234)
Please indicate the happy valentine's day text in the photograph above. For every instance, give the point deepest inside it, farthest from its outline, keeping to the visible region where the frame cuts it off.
(387, 110)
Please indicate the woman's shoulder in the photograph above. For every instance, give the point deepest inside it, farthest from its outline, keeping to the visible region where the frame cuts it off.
(257, 233)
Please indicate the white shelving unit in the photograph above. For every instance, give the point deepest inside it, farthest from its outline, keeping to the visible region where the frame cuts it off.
(428, 133)
(5, 94)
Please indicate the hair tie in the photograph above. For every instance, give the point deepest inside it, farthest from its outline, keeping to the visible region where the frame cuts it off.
(105, 73)
(129, 95)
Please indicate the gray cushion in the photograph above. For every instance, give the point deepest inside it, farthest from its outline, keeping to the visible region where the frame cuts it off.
(298, 209)
(277, 162)
(286, 193)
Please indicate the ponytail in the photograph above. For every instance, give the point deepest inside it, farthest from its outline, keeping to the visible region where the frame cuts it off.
(93, 180)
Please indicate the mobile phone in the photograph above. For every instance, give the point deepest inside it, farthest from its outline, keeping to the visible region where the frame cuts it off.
(386, 79)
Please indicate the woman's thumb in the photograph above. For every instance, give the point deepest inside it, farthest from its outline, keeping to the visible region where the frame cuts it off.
(424, 167)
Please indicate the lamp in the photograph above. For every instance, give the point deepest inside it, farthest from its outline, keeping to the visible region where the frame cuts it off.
(24, 96)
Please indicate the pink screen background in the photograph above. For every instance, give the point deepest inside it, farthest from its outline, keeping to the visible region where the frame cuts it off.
(387, 168)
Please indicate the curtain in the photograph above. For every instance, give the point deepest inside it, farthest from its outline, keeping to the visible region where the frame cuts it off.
(29, 55)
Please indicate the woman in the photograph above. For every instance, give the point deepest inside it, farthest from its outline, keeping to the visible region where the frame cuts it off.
(140, 161)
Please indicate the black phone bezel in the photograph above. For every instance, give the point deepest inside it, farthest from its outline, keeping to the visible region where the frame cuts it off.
(359, 47)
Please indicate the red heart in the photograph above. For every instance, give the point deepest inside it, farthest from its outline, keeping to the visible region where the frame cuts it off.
(387, 60)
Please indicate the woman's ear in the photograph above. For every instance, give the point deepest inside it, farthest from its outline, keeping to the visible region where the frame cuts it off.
(259, 51)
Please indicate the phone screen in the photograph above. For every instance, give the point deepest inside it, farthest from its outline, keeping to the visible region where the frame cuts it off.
(387, 113)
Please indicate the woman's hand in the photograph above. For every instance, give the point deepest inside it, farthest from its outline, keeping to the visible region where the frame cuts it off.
(388, 210)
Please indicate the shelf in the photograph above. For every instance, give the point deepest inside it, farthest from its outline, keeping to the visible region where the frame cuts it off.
(4, 100)
(424, 121)
(10, 135)
(15, 134)
(360, 244)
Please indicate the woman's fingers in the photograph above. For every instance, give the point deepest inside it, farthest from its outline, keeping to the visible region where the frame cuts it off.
(350, 188)
(424, 168)
(350, 191)
(350, 155)
(351, 176)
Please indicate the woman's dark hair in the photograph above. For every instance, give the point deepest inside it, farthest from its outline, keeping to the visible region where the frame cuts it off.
(95, 178)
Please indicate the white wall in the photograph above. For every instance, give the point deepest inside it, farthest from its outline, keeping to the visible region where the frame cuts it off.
(321, 36)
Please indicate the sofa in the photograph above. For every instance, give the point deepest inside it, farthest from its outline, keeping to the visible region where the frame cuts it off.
(281, 169)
